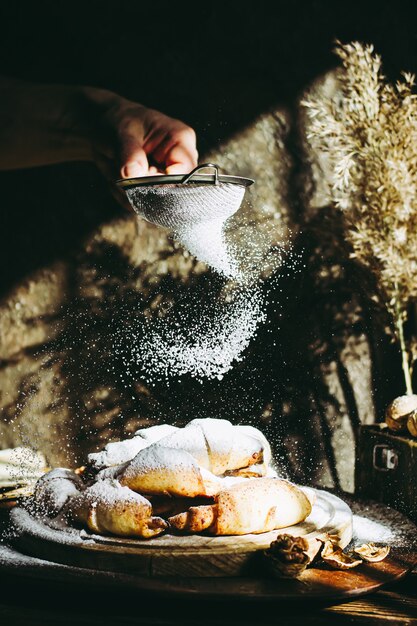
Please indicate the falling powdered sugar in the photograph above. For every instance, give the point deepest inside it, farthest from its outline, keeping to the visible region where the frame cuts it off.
(206, 241)
(204, 346)
(202, 340)
(196, 214)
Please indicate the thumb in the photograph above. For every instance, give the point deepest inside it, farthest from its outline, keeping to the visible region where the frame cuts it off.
(181, 159)
(133, 159)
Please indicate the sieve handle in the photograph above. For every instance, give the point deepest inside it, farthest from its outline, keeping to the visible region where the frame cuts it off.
(187, 177)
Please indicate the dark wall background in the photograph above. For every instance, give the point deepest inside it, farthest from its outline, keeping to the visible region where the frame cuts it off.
(216, 66)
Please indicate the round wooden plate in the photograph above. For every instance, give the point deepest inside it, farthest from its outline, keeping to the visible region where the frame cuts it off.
(371, 522)
(172, 554)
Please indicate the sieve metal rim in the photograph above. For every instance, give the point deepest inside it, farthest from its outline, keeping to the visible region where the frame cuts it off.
(186, 179)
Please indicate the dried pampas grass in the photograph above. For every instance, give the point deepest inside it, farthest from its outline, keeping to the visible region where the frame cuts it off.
(370, 134)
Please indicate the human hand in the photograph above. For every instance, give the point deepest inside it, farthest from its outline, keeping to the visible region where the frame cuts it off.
(46, 124)
(129, 140)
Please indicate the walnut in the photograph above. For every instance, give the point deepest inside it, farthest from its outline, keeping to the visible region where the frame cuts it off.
(372, 553)
(398, 412)
(335, 557)
(288, 556)
(412, 423)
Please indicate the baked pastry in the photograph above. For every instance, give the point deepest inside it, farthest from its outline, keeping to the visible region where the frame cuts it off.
(54, 489)
(209, 476)
(261, 468)
(164, 471)
(107, 507)
(253, 506)
(187, 462)
(152, 434)
(216, 445)
(118, 452)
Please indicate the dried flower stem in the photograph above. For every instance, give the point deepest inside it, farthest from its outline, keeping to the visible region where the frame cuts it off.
(406, 366)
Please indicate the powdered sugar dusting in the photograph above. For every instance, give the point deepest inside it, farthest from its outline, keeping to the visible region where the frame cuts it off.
(109, 493)
(117, 452)
(153, 434)
(207, 242)
(206, 345)
(366, 530)
(158, 458)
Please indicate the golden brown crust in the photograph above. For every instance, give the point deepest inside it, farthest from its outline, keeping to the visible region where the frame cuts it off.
(196, 519)
(161, 471)
(108, 508)
(256, 506)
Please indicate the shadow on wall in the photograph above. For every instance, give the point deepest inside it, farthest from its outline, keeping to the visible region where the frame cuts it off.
(308, 379)
(318, 367)
(301, 381)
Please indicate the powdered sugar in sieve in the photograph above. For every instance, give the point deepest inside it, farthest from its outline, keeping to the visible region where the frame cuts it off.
(194, 207)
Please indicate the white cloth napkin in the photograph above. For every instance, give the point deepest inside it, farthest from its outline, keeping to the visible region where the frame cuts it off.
(20, 466)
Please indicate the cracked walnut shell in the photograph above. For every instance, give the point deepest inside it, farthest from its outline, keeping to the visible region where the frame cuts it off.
(398, 412)
(371, 553)
(335, 557)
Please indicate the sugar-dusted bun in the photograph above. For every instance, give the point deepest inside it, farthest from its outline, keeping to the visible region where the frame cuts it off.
(259, 506)
(108, 507)
(257, 434)
(152, 434)
(118, 452)
(216, 445)
(159, 470)
(250, 506)
(53, 490)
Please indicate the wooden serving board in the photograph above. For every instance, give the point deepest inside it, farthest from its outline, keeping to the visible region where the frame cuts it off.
(319, 584)
(169, 554)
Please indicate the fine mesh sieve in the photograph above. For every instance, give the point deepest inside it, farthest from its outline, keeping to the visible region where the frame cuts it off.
(176, 201)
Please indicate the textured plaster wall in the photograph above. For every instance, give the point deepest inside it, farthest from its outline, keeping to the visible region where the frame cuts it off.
(60, 385)
(75, 268)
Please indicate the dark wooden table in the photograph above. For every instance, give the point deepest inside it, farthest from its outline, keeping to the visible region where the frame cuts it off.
(32, 602)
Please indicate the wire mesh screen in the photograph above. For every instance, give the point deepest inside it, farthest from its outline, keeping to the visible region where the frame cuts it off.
(176, 206)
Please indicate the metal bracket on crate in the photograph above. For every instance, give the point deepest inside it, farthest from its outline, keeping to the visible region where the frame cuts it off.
(384, 458)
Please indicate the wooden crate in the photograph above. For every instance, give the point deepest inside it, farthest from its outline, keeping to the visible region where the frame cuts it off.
(386, 468)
